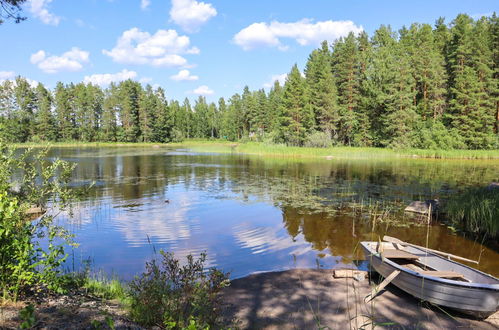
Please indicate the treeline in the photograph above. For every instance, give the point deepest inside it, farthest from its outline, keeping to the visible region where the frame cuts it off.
(423, 86)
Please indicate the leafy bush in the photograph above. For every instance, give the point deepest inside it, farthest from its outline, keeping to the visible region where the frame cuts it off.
(174, 296)
(177, 135)
(434, 135)
(27, 179)
(318, 140)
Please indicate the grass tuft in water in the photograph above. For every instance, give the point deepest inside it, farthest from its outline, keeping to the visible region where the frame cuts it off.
(476, 210)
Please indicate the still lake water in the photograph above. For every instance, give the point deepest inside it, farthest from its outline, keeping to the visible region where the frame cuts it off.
(253, 214)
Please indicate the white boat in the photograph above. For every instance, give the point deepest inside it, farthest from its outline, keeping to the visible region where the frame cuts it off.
(434, 278)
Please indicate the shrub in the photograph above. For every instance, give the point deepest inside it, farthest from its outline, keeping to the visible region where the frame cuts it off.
(174, 296)
(28, 179)
(318, 140)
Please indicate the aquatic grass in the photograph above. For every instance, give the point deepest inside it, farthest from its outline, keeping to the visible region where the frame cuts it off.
(282, 150)
(475, 210)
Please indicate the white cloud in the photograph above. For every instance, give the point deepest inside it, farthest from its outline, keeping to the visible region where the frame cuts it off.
(191, 14)
(4, 75)
(144, 4)
(71, 60)
(184, 75)
(203, 90)
(279, 77)
(305, 32)
(145, 80)
(105, 79)
(160, 49)
(39, 10)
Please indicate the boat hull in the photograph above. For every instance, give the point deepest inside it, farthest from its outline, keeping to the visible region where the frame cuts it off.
(479, 302)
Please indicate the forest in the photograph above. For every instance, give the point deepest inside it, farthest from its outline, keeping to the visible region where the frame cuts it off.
(430, 87)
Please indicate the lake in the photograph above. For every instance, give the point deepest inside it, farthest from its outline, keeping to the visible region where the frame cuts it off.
(253, 214)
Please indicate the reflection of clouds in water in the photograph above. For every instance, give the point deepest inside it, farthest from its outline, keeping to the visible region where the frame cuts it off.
(163, 223)
(267, 239)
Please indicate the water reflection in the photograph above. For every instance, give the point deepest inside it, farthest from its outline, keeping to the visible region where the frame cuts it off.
(252, 214)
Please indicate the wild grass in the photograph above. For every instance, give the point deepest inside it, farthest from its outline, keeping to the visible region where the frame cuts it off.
(281, 150)
(476, 210)
(278, 150)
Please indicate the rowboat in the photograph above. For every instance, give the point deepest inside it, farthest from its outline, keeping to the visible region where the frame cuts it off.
(429, 276)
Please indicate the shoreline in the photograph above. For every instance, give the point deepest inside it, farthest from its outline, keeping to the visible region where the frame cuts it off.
(289, 299)
(311, 298)
(283, 151)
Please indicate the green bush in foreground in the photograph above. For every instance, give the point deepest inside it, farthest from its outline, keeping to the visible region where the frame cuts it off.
(28, 179)
(176, 297)
(475, 210)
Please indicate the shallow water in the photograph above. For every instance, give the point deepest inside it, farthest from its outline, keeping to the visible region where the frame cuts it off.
(253, 214)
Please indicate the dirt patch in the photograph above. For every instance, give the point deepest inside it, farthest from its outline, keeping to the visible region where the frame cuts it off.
(306, 299)
(77, 311)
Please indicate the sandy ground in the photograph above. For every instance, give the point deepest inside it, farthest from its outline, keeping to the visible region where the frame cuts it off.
(312, 299)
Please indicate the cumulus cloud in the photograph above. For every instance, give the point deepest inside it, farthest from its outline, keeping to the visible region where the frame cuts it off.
(203, 90)
(164, 48)
(39, 9)
(281, 78)
(71, 60)
(104, 79)
(304, 32)
(191, 14)
(4, 75)
(184, 75)
(144, 4)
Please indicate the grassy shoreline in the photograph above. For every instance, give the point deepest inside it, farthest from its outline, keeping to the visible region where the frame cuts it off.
(273, 150)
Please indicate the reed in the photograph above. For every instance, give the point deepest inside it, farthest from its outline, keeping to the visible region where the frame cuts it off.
(281, 150)
(475, 210)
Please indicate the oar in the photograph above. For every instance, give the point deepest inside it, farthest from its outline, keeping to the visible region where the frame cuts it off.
(397, 241)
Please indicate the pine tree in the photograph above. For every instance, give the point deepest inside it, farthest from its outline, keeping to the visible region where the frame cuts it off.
(45, 123)
(363, 132)
(162, 128)
(25, 100)
(471, 109)
(109, 113)
(428, 69)
(64, 114)
(346, 66)
(147, 114)
(296, 115)
(392, 88)
(130, 93)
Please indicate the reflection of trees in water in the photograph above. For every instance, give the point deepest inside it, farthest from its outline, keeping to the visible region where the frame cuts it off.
(308, 192)
(340, 235)
(318, 186)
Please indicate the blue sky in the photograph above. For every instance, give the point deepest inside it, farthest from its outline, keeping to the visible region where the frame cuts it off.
(190, 47)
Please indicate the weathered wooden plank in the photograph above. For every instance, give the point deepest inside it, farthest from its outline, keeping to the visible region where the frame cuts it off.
(349, 273)
(398, 254)
(382, 285)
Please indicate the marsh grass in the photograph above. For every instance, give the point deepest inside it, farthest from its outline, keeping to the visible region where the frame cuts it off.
(281, 150)
(475, 210)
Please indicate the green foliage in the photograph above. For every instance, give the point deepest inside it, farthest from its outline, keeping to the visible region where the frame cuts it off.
(475, 210)
(318, 140)
(27, 316)
(176, 297)
(26, 180)
(421, 86)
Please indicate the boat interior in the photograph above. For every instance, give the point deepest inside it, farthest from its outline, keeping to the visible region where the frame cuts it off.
(429, 264)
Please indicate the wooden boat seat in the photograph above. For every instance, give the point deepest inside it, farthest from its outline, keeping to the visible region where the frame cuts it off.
(398, 254)
(442, 274)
